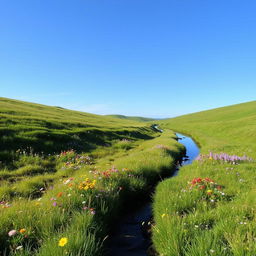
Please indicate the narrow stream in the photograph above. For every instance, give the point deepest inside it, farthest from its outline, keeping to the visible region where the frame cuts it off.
(131, 237)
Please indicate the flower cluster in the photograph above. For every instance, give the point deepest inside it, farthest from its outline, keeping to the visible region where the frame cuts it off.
(209, 189)
(87, 184)
(17, 237)
(5, 204)
(109, 173)
(73, 160)
(234, 159)
(91, 210)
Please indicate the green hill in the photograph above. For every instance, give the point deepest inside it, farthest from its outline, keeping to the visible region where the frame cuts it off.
(92, 169)
(209, 208)
(230, 128)
(26, 125)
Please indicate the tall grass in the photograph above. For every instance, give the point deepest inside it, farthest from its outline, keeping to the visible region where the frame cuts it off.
(192, 220)
(81, 198)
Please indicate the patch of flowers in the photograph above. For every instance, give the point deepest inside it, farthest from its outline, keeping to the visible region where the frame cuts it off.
(224, 157)
(90, 210)
(110, 172)
(87, 184)
(73, 160)
(210, 191)
(17, 237)
(5, 204)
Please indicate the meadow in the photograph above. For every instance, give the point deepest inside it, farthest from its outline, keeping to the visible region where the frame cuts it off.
(209, 208)
(65, 176)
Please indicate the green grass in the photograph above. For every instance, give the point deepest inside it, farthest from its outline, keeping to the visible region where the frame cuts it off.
(45, 223)
(68, 174)
(190, 221)
(34, 127)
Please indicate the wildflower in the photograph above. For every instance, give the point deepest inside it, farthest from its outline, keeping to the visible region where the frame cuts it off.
(63, 241)
(87, 184)
(22, 231)
(20, 247)
(163, 215)
(67, 181)
(54, 204)
(209, 191)
(60, 194)
(12, 233)
(196, 180)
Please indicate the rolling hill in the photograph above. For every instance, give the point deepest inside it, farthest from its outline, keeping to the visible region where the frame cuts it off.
(209, 208)
(25, 125)
(230, 128)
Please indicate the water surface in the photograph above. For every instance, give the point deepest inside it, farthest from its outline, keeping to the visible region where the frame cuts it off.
(130, 236)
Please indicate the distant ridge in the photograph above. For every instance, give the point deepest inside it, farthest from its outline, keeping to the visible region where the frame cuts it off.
(134, 118)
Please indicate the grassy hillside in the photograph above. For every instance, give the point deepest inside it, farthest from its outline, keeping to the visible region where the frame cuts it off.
(40, 128)
(231, 129)
(209, 208)
(66, 176)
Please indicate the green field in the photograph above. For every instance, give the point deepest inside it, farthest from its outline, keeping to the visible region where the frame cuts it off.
(65, 176)
(209, 208)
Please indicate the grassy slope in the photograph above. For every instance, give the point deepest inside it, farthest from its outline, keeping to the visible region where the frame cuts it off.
(188, 225)
(231, 129)
(52, 129)
(30, 131)
(42, 193)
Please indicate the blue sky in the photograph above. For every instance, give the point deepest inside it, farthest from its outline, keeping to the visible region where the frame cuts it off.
(134, 57)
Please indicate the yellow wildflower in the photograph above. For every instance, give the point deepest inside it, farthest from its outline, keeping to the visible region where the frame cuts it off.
(63, 241)
(209, 191)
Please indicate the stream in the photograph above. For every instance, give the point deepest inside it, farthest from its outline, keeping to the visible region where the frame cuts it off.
(131, 236)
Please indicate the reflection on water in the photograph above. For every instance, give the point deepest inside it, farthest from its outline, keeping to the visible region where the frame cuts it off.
(192, 150)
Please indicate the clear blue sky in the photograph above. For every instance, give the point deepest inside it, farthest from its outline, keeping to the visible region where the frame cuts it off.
(134, 57)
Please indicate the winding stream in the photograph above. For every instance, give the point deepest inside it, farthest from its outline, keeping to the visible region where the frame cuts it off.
(131, 237)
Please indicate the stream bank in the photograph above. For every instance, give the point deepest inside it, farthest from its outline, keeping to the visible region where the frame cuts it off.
(131, 235)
